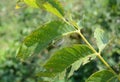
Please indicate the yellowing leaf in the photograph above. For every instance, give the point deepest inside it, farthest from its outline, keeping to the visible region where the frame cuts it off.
(52, 9)
(52, 6)
(31, 3)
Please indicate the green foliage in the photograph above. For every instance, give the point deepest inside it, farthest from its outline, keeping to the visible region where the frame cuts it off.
(53, 10)
(113, 79)
(31, 3)
(63, 58)
(81, 63)
(53, 29)
(55, 5)
(101, 38)
(101, 76)
(49, 32)
(53, 40)
(52, 6)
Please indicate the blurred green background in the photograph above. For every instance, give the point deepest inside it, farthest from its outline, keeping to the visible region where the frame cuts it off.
(15, 24)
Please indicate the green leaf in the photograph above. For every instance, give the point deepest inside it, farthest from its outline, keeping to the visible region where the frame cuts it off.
(101, 38)
(45, 74)
(24, 52)
(45, 35)
(63, 58)
(43, 80)
(56, 4)
(77, 64)
(113, 79)
(52, 6)
(62, 75)
(31, 3)
(100, 76)
(53, 10)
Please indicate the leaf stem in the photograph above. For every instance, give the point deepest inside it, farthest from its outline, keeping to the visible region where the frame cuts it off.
(97, 53)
